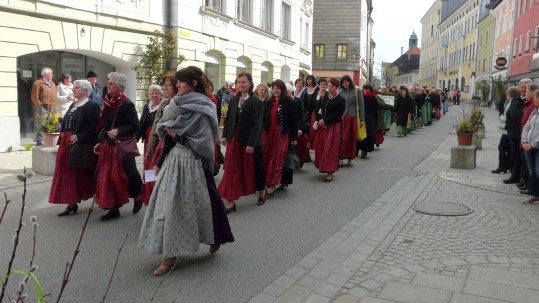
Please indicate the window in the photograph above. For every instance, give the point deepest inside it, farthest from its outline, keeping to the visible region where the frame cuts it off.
(505, 23)
(518, 8)
(462, 83)
(511, 18)
(524, 6)
(286, 19)
(218, 5)
(306, 39)
(319, 50)
(486, 38)
(498, 27)
(528, 35)
(342, 51)
(266, 16)
(515, 43)
(481, 41)
(520, 45)
(244, 11)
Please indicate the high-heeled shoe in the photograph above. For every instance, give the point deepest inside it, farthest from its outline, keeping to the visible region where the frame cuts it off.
(269, 194)
(112, 214)
(229, 210)
(69, 210)
(137, 206)
(261, 201)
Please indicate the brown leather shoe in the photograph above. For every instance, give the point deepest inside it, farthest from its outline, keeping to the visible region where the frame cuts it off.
(214, 248)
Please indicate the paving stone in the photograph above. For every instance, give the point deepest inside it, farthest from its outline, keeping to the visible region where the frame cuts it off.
(337, 279)
(371, 284)
(365, 249)
(504, 277)
(501, 292)
(307, 262)
(285, 281)
(464, 298)
(296, 272)
(319, 272)
(289, 298)
(274, 290)
(374, 300)
(301, 291)
(408, 293)
(439, 282)
(328, 290)
(317, 299)
(262, 298)
(346, 299)
(310, 282)
(359, 292)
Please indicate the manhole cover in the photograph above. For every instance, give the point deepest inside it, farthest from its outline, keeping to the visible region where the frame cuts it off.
(442, 208)
(402, 172)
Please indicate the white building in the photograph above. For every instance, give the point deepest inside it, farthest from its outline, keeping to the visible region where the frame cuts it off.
(269, 38)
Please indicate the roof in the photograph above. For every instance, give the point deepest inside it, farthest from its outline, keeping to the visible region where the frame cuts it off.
(413, 51)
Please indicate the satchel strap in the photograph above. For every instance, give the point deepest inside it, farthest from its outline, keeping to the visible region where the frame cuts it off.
(78, 120)
(116, 114)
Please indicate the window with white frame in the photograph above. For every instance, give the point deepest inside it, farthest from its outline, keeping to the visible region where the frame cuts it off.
(244, 12)
(498, 27)
(218, 5)
(505, 23)
(266, 16)
(286, 22)
(518, 7)
(511, 18)
(528, 35)
(515, 49)
(319, 50)
(306, 36)
(520, 45)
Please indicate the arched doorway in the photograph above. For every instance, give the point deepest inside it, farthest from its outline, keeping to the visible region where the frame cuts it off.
(213, 68)
(244, 65)
(29, 68)
(462, 84)
(285, 73)
(457, 83)
(266, 72)
(449, 87)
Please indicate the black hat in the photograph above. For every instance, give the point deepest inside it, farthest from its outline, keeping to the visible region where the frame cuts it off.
(91, 74)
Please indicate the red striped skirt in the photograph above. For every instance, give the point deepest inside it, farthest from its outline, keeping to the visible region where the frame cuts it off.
(146, 139)
(302, 150)
(311, 136)
(274, 151)
(326, 152)
(379, 139)
(349, 130)
(69, 185)
(147, 188)
(239, 172)
(112, 188)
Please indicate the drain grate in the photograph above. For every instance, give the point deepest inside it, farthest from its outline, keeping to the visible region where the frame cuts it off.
(442, 208)
(401, 172)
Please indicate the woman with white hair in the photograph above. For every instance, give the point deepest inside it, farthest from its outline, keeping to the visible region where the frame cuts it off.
(73, 178)
(117, 179)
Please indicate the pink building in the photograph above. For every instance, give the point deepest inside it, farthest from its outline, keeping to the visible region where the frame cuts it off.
(525, 55)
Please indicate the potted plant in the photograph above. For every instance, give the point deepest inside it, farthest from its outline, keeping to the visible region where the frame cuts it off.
(464, 132)
(476, 116)
(50, 129)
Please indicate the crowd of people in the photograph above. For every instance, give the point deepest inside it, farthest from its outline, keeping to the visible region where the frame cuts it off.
(268, 132)
(519, 141)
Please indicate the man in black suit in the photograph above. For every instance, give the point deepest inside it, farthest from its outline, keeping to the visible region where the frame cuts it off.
(512, 125)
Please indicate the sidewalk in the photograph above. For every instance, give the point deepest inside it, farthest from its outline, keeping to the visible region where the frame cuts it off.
(391, 253)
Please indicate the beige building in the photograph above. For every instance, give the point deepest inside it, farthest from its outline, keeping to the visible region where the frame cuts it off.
(428, 65)
(269, 38)
(458, 45)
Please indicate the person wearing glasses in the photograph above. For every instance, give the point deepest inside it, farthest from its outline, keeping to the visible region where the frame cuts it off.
(72, 185)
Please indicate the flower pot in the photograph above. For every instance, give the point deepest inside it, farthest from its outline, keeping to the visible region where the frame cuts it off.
(50, 139)
(464, 139)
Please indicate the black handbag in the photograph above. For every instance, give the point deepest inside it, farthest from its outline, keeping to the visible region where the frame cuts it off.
(126, 146)
(292, 160)
(81, 155)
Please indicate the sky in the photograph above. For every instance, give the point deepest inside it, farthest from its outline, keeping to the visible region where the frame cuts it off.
(394, 22)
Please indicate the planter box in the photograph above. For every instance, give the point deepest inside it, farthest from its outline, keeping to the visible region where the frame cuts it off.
(463, 157)
(44, 160)
(477, 140)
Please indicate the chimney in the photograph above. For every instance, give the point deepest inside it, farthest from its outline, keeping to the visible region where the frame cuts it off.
(402, 50)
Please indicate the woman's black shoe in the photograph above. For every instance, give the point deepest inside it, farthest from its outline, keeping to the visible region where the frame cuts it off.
(269, 194)
(229, 210)
(261, 201)
(69, 210)
(498, 171)
(282, 186)
(112, 214)
(137, 206)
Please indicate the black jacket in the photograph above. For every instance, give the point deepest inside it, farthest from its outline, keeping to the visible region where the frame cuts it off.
(248, 123)
(288, 117)
(330, 111)
(146, 120)
(300, 112)
(127, 121)
(309, 103)
(513, 118)
(87, 119)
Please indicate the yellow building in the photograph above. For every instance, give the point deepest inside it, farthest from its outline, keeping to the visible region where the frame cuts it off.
(429, 46)
(458, 46)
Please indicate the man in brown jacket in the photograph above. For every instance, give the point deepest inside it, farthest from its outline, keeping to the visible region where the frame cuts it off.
(44, 98)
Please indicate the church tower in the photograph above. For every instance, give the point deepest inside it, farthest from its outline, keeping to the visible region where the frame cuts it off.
(412, 41)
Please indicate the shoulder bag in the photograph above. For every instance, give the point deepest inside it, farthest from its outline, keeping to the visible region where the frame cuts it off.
(361, 133)
(126, 146)
(81, 155)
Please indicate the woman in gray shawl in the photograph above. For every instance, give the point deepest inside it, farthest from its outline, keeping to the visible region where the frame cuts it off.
(185, 208)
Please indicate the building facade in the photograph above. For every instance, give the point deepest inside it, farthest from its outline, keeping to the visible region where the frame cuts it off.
(524, 55)
(485, 45)
(458, 45)
(428, 65)
(504, 13)
(221, 36)
(407, 65)
(342, 48)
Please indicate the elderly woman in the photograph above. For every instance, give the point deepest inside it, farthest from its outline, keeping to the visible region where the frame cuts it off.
(242, 135)
(262, 92)
(530, 144)
(280, 129)
(148, 120)
(185, 208)
(73, 183)
(328, 127)
(513, 117)
(117, 179)
(353, 97)
(371, 120)
(64, 92)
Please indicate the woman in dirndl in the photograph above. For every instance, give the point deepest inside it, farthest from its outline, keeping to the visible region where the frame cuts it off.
(242, 135)
(280, 127)
(352, 95)
(371, 120)
(117, 180)
(309, 103)
(328, 131)
(304, 125)
(403, 110)
(185, 208)
(72, 185)
(153, 147)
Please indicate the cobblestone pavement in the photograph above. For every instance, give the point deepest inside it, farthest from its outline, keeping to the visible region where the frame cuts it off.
(391, 253)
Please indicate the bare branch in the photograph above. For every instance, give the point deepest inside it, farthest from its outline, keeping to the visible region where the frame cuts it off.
(114, 269)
